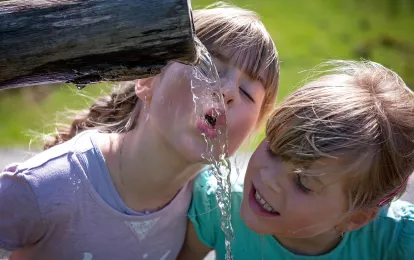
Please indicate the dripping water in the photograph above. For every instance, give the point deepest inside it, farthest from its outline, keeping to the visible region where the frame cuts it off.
(80, 86)
(205, 87)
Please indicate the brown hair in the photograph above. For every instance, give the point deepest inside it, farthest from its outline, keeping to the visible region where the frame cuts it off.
(219, 27)
(361, 111)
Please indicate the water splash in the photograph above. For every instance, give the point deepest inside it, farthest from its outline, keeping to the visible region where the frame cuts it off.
(206, 90)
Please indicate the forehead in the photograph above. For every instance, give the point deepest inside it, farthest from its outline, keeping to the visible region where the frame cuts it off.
(245, 59)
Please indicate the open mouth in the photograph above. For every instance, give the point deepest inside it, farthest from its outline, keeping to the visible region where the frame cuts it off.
(263, 203)
(260, 205)
(210, 120)
(215, 117)
(212, 123)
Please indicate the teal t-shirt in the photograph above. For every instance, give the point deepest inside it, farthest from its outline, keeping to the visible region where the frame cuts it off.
(389, 236)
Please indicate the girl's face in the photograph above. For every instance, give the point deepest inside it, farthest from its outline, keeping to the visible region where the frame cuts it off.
(172, 111)
(279, 201)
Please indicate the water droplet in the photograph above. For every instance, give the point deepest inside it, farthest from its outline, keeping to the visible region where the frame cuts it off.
(80, 86)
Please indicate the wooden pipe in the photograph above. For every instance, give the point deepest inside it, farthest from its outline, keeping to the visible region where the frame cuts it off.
(88, 41)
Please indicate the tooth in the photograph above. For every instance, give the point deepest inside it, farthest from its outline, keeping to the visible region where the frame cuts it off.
(263, 203)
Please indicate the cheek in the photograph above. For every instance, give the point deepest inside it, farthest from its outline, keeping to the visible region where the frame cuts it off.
(240, 125)
(173, 99)
(309, 217)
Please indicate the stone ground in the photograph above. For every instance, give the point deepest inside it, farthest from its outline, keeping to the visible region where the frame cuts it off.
(15, 155)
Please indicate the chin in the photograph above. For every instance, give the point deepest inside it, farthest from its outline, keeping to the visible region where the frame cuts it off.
(194, 157)
(193, 146)
(254, 226)
(248, 217)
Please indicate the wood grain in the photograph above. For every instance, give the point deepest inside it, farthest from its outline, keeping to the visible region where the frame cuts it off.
(78, 41)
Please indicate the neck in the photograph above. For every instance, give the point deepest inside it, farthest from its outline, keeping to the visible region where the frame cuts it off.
(147, 172)
(317, 245)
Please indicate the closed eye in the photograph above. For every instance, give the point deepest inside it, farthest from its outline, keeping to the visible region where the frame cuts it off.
(299, 183)
(247, 95)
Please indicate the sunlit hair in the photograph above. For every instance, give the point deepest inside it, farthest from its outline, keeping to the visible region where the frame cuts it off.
(358, 112)
(223, 29)
(240, 36)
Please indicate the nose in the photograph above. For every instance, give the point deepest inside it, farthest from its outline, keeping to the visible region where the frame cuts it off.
(270, 180)
(230, 88)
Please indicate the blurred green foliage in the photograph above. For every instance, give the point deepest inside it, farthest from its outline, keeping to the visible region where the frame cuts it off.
(306, 33)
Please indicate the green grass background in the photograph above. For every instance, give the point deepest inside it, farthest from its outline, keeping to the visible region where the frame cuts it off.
(306, 32)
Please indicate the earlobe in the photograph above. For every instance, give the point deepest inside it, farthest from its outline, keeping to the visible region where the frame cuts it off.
(144, 88)
(361, 217)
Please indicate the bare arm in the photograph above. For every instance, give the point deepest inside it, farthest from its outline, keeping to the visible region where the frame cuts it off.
(193, 248)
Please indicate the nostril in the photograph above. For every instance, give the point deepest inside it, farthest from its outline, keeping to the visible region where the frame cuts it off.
(229, 102)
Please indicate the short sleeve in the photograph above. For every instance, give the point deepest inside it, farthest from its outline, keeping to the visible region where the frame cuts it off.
(20, 219)
(405, 245)
(204, 212)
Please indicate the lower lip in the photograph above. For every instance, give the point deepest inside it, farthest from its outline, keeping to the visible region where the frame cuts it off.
(257, 208)
(206, 128)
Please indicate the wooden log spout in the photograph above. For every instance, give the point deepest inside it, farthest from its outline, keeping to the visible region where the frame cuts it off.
(88, 41)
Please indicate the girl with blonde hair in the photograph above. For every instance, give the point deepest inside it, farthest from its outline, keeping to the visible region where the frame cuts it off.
(323, 184)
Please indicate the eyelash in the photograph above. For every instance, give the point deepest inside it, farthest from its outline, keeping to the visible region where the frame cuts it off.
(297, 176)
(300, 184)
(247, 94)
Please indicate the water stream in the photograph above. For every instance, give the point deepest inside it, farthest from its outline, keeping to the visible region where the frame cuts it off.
(206, 90)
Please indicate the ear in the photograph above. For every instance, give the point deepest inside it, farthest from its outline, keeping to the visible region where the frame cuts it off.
(359, 219)
(144, 88)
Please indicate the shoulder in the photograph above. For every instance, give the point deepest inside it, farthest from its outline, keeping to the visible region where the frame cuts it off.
(53, 176)
(206, 183)
(398, 216)
(205, 191)
(57, 162)
(398, 211)
(46, 167)
(204, 212)
(58, 154)
(392, 232)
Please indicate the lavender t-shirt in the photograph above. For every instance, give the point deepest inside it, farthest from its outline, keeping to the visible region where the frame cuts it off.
(50, 210)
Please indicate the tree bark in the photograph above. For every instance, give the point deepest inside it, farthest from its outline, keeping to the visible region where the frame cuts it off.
(88, 41)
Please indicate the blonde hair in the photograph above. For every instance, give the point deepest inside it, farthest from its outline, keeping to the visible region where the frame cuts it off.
(360, 111)
(219, 27)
